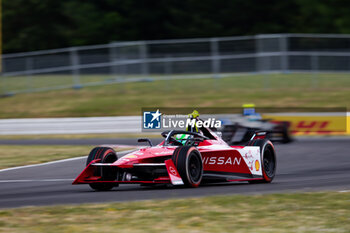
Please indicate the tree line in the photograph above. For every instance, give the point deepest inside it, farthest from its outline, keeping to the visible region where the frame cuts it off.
(46, 24)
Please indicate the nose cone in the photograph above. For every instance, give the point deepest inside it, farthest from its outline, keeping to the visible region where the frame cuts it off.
(144, 154)
(127, 160)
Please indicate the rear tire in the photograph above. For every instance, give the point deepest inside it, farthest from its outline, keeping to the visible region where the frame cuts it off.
(106, 155)
(188, 162)
(268, 159)
(286, 134)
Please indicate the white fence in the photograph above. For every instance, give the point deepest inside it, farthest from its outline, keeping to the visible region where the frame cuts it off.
(166, 59)
(125, 124)
(78, 125)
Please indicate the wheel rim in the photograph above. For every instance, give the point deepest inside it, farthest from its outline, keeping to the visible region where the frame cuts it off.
(269, 163)
(195, 167)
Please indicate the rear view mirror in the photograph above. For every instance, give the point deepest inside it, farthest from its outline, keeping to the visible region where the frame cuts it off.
(145, 140)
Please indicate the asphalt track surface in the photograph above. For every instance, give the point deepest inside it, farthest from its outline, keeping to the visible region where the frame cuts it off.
(303, 166)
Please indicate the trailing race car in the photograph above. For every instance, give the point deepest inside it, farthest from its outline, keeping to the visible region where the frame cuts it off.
(183, 158)
(242, 130)
(239, 130)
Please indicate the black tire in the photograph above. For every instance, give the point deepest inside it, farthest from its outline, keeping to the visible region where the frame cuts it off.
(268, 159)
(188, 162)
(107, 155)
(286, 134)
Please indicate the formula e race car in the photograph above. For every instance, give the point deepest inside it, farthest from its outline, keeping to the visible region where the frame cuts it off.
(191, 159)
(240, 129)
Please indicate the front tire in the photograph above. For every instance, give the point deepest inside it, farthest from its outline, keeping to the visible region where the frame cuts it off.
(106, 155)
(188, 162)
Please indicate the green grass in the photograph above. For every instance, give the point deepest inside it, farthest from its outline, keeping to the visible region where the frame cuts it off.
(274, 90)
(309, 212)
(13, 155)
(23, 83)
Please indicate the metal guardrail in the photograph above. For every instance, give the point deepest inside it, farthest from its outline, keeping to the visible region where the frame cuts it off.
(74, 125)
(162, 59)
(132, 124)
(129, 124)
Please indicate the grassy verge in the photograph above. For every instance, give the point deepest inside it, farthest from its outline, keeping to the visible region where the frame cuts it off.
(311, 212)
(12, 156)
(274, 90)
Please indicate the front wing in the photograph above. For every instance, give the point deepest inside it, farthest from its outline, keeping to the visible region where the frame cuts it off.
(168, 174)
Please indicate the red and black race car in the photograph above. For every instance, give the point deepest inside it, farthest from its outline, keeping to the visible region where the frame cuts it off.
(191, 159)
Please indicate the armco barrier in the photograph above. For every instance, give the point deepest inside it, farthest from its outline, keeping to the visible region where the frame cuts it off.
(315, 123)
(72, 125)
(76, 125)
(301, 124)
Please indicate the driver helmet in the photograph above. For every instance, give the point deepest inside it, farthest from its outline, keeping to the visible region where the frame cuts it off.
(182, 138)
(193, 115)
(249, 112)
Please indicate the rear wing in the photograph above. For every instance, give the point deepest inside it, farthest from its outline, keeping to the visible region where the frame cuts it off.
(258, 135)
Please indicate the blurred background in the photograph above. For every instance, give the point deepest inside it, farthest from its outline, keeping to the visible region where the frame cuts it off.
(110, 58)
(77, 73)
(51, 45)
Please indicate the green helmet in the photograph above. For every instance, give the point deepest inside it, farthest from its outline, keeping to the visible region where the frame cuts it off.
(182, 138)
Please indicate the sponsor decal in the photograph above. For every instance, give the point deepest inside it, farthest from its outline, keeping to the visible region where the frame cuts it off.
(172, 171)
(249, 158)
(222, 160)
(307, 126)
(257, 165)
(162, 153)
(130, 156)
(313, 123)
(138, 153)
(177, 182)
(248, 155)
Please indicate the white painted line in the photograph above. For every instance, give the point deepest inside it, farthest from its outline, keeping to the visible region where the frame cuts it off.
(53, 162)
(344, 191)
(42, 180)
(42, 164)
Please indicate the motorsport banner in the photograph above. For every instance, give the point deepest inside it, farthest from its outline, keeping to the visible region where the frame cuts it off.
(314, 123)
